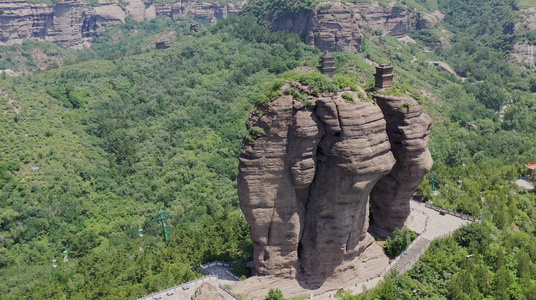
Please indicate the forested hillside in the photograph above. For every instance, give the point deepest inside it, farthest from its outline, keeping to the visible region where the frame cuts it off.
(123, 130)
(117, 139)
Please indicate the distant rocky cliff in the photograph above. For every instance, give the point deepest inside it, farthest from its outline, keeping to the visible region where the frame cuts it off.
(330, 26)
(74, 23)
(306, 180)
(525, 52)
(335, 26)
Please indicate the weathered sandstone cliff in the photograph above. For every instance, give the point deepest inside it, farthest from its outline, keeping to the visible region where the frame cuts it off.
(308, 170)
(335, 26)
(431, 20)
(409, 131)
(74, 23)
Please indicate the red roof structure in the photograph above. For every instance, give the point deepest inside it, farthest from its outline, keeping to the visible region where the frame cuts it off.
(531, 166)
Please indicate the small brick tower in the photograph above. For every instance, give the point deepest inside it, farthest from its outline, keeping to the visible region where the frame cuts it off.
(327, 64)
(384, 76)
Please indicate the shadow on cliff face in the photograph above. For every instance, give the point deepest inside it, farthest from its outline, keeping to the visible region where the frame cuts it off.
(304, 185)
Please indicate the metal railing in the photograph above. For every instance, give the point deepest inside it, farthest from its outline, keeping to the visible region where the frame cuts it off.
(204, 268)
(229, 292)
(183, 286)
(405, 253)
(451, 212)
(208, 276)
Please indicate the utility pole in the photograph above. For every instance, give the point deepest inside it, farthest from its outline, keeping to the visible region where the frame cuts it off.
(161, 218)
(530, 53)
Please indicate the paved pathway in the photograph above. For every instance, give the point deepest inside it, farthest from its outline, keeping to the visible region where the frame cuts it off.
(186, 292)
(525, 183)
(437, 224)
(430, 224)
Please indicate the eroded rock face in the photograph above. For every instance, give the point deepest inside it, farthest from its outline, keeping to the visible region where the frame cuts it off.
(335, 29)
(304, 186)
(74, 23)
(525, 52)
(207, 292)
(408, 129)
(430, 20)
(335, 26)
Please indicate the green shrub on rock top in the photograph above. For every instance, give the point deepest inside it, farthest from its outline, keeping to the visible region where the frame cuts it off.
(348, 97)
(296, 93)
(272, 91)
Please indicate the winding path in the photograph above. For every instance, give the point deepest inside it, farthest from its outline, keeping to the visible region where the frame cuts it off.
(427, 222)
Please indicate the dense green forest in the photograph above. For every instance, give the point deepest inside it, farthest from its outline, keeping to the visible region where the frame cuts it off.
(121, 130)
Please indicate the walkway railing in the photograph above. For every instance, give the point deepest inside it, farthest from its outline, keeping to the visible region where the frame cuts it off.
(414, 259)
(425, 242)
(184, 286)
(208, 276)
(204, 268)
(451, 212)
(229, 292)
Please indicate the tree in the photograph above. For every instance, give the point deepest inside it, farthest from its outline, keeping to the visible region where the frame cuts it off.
(401, 240)
(274, 294)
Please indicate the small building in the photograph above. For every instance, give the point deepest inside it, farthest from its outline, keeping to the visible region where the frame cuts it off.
(384, 76)
(36, 169)
(162, 45)
(327, 64)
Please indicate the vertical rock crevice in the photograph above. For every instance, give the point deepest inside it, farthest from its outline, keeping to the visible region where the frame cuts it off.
(408, 129)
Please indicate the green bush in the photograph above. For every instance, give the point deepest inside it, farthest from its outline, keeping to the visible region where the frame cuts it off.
(402, 238)
(274, 294)
(343, 81)
(272, 91)
(296, 93)
(241, 269)
(348, 97)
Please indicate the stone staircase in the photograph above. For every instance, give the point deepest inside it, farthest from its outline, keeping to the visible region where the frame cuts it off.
(408, 258)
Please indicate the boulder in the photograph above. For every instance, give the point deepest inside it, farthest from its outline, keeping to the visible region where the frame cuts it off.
(207, 292)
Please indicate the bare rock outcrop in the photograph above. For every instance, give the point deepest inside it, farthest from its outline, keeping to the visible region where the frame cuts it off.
(74, 23)
(430, 20)
(525, 52)
(408, 129)
(335, 26)
(307, 171)
(207, 292)
(391, 19)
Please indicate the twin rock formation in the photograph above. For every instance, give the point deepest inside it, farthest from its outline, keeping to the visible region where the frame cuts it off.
(310, 182)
